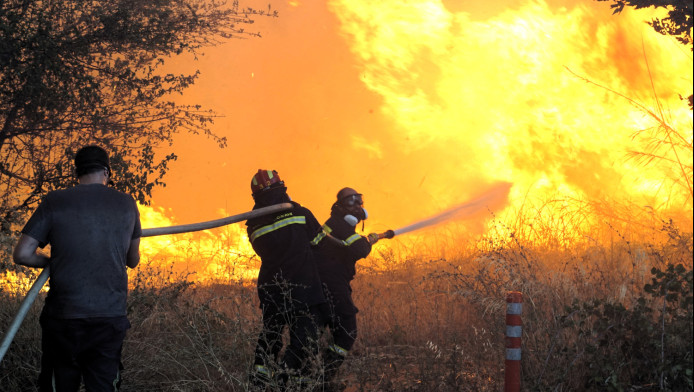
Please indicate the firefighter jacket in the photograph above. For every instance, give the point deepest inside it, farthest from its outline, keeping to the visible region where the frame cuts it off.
(284, 242)
(337, 263)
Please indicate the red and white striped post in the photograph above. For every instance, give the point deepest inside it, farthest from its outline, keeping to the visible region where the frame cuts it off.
(514, 307)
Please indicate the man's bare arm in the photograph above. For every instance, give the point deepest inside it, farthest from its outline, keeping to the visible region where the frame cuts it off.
(25, 253)
(133, 257)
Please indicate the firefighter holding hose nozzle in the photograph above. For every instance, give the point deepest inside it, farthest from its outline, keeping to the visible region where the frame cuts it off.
(336, 265)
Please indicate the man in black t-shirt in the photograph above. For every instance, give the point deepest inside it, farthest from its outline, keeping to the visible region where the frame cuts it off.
(94, 233)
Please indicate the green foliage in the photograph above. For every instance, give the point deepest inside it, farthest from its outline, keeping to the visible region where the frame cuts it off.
(647, 346)
(76, 73)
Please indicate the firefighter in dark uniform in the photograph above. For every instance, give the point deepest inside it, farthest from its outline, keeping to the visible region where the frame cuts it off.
(336, 265)
(289, 286)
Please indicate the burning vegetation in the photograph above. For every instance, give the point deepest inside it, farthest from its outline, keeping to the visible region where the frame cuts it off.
(573, 117)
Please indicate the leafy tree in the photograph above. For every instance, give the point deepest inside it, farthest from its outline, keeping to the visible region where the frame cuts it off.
(74, 72)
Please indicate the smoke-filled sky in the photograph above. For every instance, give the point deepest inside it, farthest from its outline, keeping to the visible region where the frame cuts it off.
(421, 105)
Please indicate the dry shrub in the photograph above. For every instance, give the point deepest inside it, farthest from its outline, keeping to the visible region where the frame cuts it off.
(21, 364)
(189, 337)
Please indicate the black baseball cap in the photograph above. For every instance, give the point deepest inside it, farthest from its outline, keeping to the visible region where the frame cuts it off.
(92, 156)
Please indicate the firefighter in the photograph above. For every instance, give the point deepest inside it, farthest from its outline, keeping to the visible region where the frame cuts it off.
(336, 266)
(289, 287)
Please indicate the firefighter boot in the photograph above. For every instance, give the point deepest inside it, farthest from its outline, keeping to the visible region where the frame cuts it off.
(332, 359)
(260, 378)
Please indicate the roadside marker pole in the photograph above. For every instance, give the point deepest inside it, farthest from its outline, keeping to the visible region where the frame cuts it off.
(514, 307)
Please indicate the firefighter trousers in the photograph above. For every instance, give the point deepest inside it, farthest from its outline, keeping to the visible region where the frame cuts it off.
(302, 322)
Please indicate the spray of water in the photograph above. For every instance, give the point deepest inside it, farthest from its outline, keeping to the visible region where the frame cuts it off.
(494, 197)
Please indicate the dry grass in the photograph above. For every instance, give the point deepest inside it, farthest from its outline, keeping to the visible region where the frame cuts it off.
(425, 324)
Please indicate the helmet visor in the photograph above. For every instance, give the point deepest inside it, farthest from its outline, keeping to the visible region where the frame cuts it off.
(353, 200)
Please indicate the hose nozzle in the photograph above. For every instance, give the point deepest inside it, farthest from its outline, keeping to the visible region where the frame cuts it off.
(387, 234)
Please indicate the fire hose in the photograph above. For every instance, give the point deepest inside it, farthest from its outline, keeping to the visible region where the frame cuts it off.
(43, 277)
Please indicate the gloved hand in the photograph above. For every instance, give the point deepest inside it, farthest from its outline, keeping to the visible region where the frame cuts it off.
(372, 238)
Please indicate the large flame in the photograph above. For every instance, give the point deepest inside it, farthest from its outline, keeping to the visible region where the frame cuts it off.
(420, 104)
(500, 98)
(219, 255)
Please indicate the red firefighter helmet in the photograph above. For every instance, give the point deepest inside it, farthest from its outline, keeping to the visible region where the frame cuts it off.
(263, 179)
